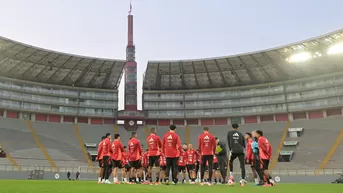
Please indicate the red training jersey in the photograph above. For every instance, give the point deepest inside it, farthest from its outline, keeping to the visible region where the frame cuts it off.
(182, 161)
(145, 159)
(117, 150)
(207, 144)
(154, 144)
(163, 161)
(124, 160)
(106, 148)
(171, 145)
(191, 156)
(265, 148)
(249, 155)
(134, 149)
(100, 156)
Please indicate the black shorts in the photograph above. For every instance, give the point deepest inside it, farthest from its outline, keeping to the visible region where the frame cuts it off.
(216, 166)
(191, 167)
(163, 168)
(101, 163)
(135, 164)
(117, 164)
(127, 167)
(265, 164)
(154, 161)
(181, 169)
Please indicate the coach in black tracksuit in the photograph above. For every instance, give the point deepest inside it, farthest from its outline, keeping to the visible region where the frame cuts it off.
(222, 158)
(236, 143)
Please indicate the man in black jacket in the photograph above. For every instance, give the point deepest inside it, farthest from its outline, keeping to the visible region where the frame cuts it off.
(221, 153)
(236, 143)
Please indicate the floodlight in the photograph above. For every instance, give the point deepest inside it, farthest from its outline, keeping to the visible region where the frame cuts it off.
(336, 49)
(299, 57)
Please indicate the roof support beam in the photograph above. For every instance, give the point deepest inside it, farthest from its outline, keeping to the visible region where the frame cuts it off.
(234, 72)
(195, 76)
(53, 74)
(208, 75)
(283, 75)
(35, 64)
(170, 79)
(108, 75)
(183, 84)
(21, 61)
(265, 73)
(89, 66)
(8, 49)
(158, 77)
(67, 75)
(47, 66)
(251, 75)
(97, 74)
(221, 73)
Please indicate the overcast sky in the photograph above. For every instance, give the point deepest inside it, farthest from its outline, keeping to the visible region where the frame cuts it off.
(166, 29)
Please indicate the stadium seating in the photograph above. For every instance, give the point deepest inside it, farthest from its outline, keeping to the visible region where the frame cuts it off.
(315, 143)
(61, 143)
(20, 144)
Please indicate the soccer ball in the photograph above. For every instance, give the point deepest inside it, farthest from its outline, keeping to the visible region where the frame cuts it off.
(231, 182)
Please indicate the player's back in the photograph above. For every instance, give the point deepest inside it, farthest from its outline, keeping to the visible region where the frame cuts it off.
(265, 148)
(207, 144)
(106, 147)
(171, 145)
(154, 145)
(134, 149)
(236, 141)
(117, 150)
(100, 149)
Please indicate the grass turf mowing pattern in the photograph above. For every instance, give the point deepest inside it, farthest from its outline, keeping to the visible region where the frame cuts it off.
(18, 186)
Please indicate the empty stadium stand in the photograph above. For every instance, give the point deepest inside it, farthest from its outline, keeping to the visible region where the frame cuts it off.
(315, 143)
(16, 137)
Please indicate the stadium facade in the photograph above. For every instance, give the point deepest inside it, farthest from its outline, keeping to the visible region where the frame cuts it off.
(298, 81)
(61, 98)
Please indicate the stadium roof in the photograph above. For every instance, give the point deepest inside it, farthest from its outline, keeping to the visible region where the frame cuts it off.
(272, 65)
(25, 62)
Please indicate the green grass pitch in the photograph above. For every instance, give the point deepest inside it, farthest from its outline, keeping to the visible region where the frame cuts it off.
(19, 186)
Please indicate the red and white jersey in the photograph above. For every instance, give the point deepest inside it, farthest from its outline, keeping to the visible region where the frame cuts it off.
(182, 161)
(100, 155)
(145, 159)
(265, 148)
(134, 149)
(117, 150)
(171, 145)
(192, 156)
(124, 159)
(207, 144)
(163, 161)
(155, 144)
(106, 148)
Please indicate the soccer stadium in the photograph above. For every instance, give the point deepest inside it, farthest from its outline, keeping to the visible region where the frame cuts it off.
(55, 107)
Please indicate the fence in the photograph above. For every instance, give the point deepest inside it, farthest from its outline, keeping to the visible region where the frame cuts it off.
(86, 169)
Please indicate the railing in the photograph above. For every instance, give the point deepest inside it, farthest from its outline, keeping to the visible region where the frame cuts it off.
(86, 169)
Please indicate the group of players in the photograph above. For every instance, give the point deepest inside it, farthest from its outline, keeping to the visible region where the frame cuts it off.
(167, 154)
